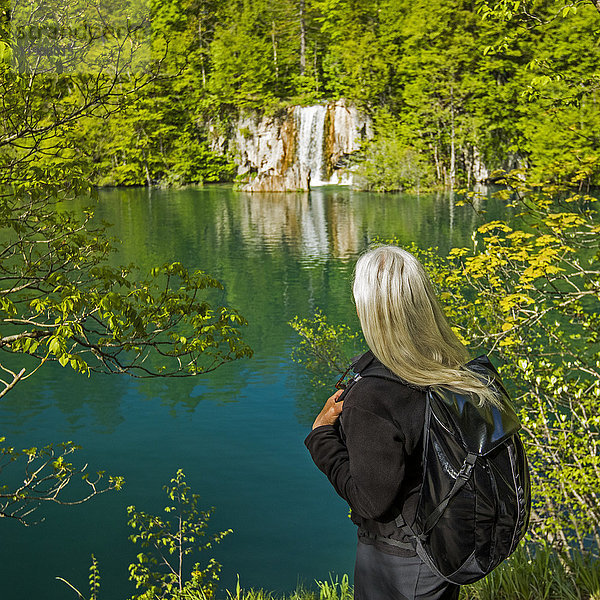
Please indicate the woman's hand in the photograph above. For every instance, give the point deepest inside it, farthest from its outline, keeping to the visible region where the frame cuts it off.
(331, 411)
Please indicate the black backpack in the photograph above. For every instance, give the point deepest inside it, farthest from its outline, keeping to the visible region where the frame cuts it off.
(475, 497)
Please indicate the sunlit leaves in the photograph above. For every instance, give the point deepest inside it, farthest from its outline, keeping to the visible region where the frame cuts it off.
(63, 301)
(536, 301)
(324, 348)
(161, 570)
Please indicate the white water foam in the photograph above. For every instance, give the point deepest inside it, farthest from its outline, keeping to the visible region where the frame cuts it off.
(311, 127)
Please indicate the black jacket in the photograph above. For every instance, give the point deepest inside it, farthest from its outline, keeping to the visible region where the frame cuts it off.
(372, 455)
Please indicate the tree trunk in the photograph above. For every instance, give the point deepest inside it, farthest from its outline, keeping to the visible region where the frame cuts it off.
(201, 53)
(316, 71)
(148, 180)
(438, 171)
(274, 43)
(303, 38)
(470, 166)
(452, 142)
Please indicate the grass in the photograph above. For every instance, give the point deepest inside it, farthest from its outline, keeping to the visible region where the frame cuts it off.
(530, 574)
(539, 574)
(334, 589)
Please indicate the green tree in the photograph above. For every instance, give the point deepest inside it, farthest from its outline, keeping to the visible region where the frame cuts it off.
(160, 135)
(61, 298)
(266, 55)
(246, 68)
(441, 55)
(564, 93)
(537, 306)
(395, 159)
(162, 572)
(559, 83)
(357, 60)
(168, 544)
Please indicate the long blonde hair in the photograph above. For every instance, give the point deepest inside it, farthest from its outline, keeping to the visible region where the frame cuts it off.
(405, 327)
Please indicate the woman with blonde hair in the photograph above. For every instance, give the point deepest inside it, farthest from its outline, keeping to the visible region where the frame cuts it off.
(368, 438)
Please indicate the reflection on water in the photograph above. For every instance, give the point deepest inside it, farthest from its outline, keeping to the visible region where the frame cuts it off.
(237, 432)
(329, 222)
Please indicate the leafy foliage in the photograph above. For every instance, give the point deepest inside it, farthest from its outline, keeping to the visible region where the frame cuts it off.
(472, 86)
(47, 472)
(161, 572)
(94, 581)
(61, 300)
(324, 348)
(391, 160)
(531, 573)
(61, 297)
(532, 294)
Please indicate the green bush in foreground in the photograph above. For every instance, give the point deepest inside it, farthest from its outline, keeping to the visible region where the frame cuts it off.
(162, 569)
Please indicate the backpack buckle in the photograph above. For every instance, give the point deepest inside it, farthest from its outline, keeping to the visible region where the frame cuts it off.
(467, 466)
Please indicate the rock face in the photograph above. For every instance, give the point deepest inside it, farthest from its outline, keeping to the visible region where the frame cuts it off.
(303, 148)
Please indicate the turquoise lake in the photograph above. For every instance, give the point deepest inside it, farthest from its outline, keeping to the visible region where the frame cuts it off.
(237, 432)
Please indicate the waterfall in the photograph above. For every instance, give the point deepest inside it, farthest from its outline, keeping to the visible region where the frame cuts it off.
(310, 121)
(305, 147)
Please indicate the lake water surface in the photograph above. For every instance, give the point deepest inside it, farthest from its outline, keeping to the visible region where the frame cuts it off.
(238, 432)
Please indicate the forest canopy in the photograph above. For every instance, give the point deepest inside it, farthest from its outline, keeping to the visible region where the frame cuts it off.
(450, 94)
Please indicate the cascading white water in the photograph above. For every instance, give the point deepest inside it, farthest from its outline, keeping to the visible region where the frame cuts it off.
(310, 122)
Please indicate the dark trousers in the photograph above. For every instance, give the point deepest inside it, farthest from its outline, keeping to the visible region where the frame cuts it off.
(381, 576)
